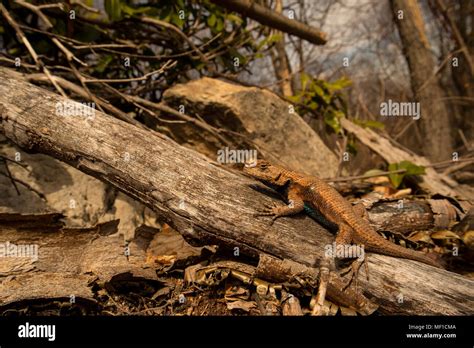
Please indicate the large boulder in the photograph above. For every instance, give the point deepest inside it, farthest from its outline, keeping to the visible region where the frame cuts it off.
(266, 122)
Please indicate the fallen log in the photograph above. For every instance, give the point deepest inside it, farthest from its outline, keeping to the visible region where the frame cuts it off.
(204, 201)
(49, 261)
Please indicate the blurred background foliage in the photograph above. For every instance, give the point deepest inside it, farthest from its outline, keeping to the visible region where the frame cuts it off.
(121, 39)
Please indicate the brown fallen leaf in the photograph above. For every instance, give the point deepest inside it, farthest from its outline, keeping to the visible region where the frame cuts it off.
(246, 306)
(468, 239)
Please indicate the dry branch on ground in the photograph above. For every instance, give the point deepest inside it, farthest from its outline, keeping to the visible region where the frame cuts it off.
(203, 201)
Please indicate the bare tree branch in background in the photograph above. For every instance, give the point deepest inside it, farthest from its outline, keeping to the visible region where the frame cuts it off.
(274, 20)
(280, 61)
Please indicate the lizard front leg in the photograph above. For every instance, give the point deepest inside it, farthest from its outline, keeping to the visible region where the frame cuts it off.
(295, 206)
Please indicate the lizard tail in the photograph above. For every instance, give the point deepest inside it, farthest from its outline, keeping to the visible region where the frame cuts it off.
(433, 259)
(436, 260)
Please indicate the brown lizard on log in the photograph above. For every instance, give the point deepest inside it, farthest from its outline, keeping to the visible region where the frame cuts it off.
(353, 228)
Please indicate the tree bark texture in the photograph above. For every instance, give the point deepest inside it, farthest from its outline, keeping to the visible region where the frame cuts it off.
(434, 121)
(204, 201)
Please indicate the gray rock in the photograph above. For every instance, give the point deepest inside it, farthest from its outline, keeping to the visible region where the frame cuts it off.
(263, 117)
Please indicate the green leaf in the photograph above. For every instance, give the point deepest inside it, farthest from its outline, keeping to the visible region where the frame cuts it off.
(411, 169)
(165, 13)
(211, 20)
(321, 93)
(395, 179)
(331, 118)
(131, 11)
(294, 98)
(103, 63)
(219, 25)
(113, 9)
(313, 105)
(304, 81)
(275, 38)
(177, 21)
(13, 51)
(337, 85)
(269, 40)
(351, 147)
(233, 18)
(374, 172)
(127, 9)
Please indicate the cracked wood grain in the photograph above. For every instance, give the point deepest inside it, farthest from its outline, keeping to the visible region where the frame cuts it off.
(203, 201)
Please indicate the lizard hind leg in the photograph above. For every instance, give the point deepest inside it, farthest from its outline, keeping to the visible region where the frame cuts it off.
(352, 272)
(344, 235)
(343, 241)
(361, 211)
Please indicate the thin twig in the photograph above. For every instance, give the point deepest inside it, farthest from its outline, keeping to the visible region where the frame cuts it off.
(89, 46)
(69, 55)
(28, 186)
(450, 162)
(342, 151)
(456, 167)
(174, 28)
(404, 129)
(48, 6)
(366, 176)
(21, 36)
(154, 115)
(128, 100)
(169, 64)
(5, 158)
(84, 6)
(456, 34)
(464, 140)
(9, 174)
(438, 69)
(81, 92)
(398, 171)
(12, 61)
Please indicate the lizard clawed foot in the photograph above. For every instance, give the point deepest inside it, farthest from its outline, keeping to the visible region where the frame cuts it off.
(271, 210)
(353, 273)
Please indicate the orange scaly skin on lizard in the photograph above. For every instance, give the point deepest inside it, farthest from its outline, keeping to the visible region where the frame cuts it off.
(322, 197)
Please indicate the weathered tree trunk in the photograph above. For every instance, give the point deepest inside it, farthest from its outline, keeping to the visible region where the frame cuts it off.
(463, 73)
(434, 121)
(281, 63)
(204, 201)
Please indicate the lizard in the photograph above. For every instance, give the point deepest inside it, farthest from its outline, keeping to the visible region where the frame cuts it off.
(353, 228)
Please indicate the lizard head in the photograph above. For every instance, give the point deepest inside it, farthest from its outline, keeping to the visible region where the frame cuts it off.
(266, 172)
